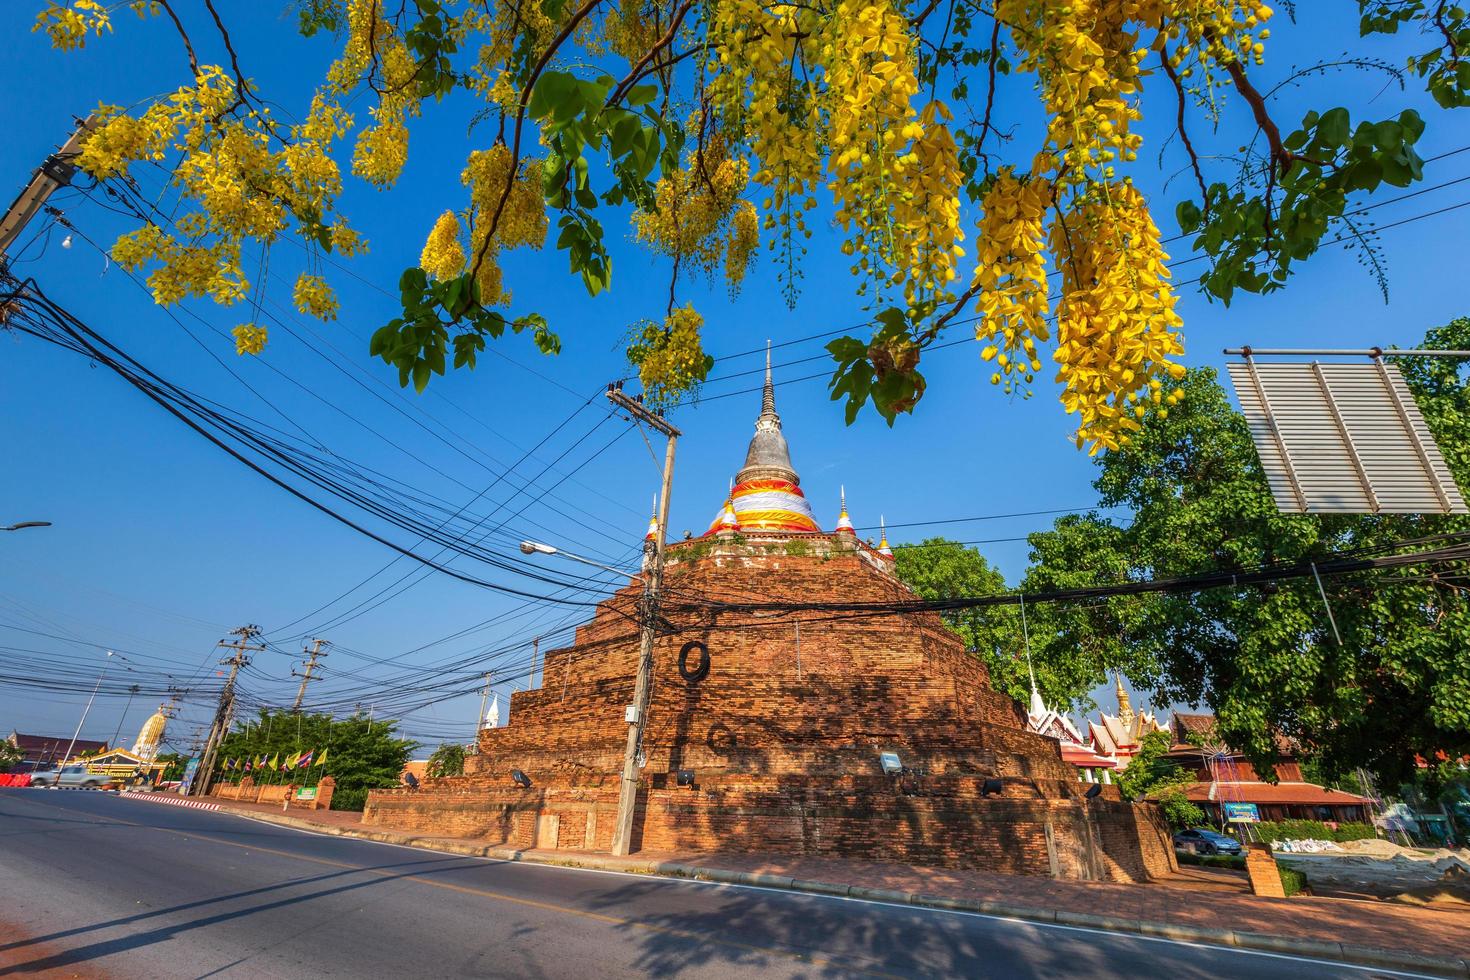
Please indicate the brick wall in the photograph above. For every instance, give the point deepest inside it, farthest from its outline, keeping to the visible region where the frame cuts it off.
(784, 735)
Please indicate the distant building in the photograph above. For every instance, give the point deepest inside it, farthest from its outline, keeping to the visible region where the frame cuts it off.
(1223, 776)
(46, 751)
(1120, 736)
(1110, 742)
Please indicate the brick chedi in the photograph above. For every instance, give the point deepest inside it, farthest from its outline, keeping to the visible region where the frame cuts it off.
(782, 716)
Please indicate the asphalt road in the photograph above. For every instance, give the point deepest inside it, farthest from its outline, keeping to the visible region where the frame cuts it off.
(94, 885)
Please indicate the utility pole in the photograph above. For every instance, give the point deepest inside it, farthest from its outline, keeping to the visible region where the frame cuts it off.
(54, 173)
(225, 713)
(653, 577)
(310, 665)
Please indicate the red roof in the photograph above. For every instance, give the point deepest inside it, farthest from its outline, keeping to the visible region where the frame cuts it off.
(1081, 755)
(49, 748)
(1303, 793)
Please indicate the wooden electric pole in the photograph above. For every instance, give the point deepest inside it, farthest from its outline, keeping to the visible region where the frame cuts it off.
(653, 575)
(55, 172)
(306, 678)
(225, 713)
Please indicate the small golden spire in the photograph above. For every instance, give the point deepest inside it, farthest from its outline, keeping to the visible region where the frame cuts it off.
(1125, 707)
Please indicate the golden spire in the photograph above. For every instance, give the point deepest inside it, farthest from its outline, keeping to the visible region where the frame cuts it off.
(1125, 707)
(883, 548)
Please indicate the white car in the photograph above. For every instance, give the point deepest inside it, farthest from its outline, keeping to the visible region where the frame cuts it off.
(71, 776)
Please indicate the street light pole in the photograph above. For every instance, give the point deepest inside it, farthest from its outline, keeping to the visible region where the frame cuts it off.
(87, 709)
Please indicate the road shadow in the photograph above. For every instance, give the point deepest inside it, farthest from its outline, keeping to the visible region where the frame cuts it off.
(380, 875)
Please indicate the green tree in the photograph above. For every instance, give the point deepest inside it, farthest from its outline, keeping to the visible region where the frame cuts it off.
(447, 760)
(1265, 658)
(175, 766)
(362, 753)
(1152, 776)
(9, 756)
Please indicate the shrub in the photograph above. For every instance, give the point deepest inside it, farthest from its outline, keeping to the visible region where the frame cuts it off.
(1293, 882)
(1235, 861)
(1269, 830)
(350, 799)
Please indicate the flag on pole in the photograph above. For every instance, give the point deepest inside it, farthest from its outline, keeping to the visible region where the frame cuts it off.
(321, 759)
(303, 761)
(291, 760)
(275, 762)
(248, 765)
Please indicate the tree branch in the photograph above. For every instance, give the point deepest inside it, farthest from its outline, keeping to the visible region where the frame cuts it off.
(525, 100)
(188, 45)
(1183, 134)
(631, 79)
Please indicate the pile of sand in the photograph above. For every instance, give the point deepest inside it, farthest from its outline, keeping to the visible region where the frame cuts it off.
(1452, 890)
(1384, 849)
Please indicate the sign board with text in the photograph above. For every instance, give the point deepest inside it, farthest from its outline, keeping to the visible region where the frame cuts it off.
(1241, 813)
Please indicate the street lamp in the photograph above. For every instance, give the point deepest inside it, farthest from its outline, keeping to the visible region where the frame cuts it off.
(25, 524)
(88, 708)
(537, 548)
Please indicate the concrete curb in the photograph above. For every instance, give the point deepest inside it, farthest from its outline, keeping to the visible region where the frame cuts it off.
(1457, 967)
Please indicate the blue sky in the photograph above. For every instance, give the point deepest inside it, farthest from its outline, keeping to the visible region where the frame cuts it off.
(162, 543)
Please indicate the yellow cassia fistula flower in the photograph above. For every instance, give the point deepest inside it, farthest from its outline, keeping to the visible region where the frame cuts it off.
(443, 256)
(249, 338)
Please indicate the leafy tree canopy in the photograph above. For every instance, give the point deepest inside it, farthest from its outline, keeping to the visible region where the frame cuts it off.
(447, 760)
(721, 126)
(1265, 659)
(1150, 775)
(9, 756)
(362, 753)
(942, 569)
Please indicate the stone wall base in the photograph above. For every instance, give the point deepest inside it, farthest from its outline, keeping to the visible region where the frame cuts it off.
(946, 826)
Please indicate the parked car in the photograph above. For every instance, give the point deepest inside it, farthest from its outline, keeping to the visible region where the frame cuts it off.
(1199, 840)
(70, 776)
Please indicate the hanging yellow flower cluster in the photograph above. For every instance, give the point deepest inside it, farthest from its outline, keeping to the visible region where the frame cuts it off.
(522, 222)
(691, 219)
(249, 338)
(1116, 325)
(443, 256)
(1087, 62)
(670, 358)
(775, 110)
(67, 27)
(374, 42)
(783, 98)
(313, 296)
(1010, 276)
(744, 240)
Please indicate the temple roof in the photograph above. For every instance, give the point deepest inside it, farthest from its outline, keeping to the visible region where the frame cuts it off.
(767, 492)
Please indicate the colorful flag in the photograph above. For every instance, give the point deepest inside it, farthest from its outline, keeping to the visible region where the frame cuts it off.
(248, 765)
(291, 760)
(275, 762)
(322, 759)
(304, 760)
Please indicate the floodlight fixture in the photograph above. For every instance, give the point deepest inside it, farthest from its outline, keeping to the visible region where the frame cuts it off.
(991, 787)
(520, 779)
(684, 777)
(891, 763)
(1093, 791)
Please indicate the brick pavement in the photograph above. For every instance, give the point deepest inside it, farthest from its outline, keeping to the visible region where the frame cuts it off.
(1195, 897)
